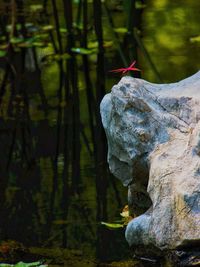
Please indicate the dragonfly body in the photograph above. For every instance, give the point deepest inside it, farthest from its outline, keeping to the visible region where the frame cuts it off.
(125, 70)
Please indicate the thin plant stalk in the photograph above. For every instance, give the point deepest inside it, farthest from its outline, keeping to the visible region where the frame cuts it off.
(73, 76)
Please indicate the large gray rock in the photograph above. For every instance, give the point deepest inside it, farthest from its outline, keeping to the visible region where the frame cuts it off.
(153, 133)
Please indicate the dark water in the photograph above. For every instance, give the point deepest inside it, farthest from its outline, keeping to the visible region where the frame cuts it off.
(34, 173)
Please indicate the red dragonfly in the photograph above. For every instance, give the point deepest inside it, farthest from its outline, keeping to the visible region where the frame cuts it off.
(125, 70)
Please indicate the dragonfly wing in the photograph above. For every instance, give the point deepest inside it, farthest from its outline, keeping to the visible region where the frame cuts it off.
(125, 71)
(118, 70)
(132, 64)
(136, 69)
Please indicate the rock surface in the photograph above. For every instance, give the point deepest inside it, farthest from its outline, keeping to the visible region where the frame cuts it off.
(153, 134)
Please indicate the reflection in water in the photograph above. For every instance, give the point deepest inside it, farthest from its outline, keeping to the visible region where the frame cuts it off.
(55, 188)
(168, 27)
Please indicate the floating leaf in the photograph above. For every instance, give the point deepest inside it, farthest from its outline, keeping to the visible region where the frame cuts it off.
(107, 44)
(28, 42)
(93, 44)
(31, 27)
(63, 30)
(36, 8)
(31, 264)
(47, 28)
(16, 40)
(195, 39)
(82, 51)
(121, 30)
(24, 264)
(29, 24)
(39, 44)
(41, 36)
(113, 225)
(2, 53)
(78, 26)
(25, 45)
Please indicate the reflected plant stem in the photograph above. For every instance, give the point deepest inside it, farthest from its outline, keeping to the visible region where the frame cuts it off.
(3, 23)
(100, 140)
(146, 54)
(12, 95)
(21, 89)
(57, 24)
(24, 155)
(78, 17)
(59, 121)
(115, 35)
(91, 102)
(72, 71)
(55, 160)
(65, 201)
(27, 144)
(13, 18)
(90, 97)
(129, 38)
(59, 113)
(85, 140)
(40, 87)
(116, 191)
(45, 2)
(3, 84)
(14, 133)
(9, 69)
(46, 18)
(76, 129)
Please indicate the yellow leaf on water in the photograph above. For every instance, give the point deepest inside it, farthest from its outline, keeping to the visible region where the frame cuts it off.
(125, 212)
(113, 225)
